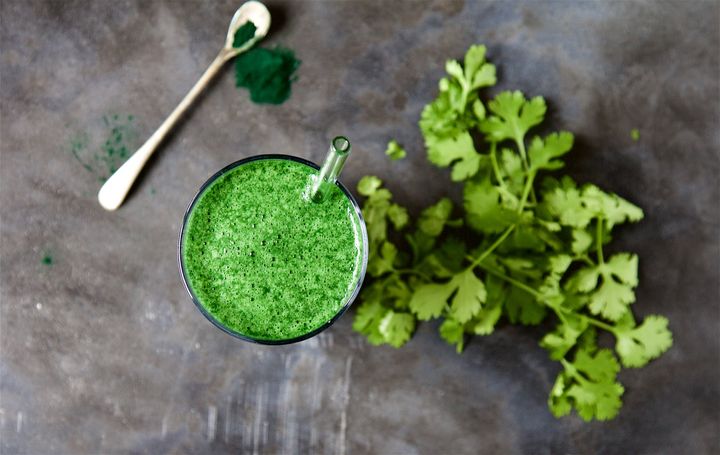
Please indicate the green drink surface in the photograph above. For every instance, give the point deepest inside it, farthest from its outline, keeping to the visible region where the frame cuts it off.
(265, 262)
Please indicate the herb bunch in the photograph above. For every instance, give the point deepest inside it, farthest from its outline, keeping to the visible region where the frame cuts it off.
(536, 247)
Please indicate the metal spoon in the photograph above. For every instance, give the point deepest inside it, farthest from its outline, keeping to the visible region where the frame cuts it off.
(113, 192)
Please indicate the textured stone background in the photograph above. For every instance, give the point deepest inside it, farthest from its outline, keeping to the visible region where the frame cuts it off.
(102, 351)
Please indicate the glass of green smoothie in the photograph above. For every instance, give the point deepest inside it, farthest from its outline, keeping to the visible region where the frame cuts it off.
(273, 248)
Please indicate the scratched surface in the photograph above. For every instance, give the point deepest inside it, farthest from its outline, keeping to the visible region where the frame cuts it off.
(102, 352)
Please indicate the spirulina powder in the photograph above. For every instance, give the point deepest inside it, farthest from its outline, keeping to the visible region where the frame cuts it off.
(268, 74)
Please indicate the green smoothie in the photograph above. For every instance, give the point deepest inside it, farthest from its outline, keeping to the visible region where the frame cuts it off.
(265, 262)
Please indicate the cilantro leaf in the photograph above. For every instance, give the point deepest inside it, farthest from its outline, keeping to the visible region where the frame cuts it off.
(445, 261)
(521, 307)
(513, 116)
(367, 320)
(513, 171)
(434, 218)
(612, 208)
(448, 115)
(558, 401)
(544, 154)
(451, 254)
(611, 299)
(452, 332)
(585, 280)
(429, 300)
(398, 291)
(576, 207)
(483, 323)
(564, 201)
(368, 185)
(395, 151)
(470, 296)
(599, 400)
(458, 150)
(478, 72)
(398, 216)
(439, 119)
(484, 211)
(638, 345)
(589, 384)
(619, 277)
(564, 338)
(382, 262)
(581, 241)
(601, 366)
(396, 328)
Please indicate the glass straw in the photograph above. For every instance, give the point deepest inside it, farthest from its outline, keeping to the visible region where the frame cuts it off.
(331, 168)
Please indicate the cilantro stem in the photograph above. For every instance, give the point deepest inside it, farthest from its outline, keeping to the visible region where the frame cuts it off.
(513, 281)
(523, 154)
(526, 191)
(573, 371)
(599, 234)
(520, 142)
(413, 272)
(599, 324)
(496, 168)
(508, 231)
(492, 247)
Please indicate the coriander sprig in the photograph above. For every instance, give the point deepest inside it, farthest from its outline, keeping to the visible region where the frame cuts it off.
(537, 246)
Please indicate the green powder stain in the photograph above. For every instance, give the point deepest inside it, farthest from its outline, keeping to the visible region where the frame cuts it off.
(267, 73)
(635, 134)
(78, 147)
(103, 149)
(47, 260)
(262, 260)
(244, 33)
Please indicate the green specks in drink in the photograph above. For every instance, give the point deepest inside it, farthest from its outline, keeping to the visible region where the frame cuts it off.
(263, 261)
(635, 134)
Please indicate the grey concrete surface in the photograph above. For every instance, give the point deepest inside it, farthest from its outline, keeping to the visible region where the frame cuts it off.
(102, 351)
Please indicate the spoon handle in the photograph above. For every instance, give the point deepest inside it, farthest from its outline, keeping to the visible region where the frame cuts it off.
(113, 192)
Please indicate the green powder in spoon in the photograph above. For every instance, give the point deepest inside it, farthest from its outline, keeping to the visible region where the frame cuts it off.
(244, 33)
(267, 73)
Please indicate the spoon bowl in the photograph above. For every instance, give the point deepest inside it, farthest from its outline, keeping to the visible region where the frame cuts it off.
(252, 11)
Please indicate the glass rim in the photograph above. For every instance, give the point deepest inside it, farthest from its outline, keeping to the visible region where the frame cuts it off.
(206, 313)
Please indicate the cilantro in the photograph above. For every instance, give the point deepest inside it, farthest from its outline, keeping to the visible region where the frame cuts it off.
(396, 328)
(589, 384)
(395, 151)
(534, 249)
(484, 208)
(368, 184)
(398, 216)
(458, 150)
(454, 333)
(433, 219)
(638, 345)
(513, 116)
(429, 300)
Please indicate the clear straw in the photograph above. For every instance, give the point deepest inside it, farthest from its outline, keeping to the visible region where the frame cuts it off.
(331, 168)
